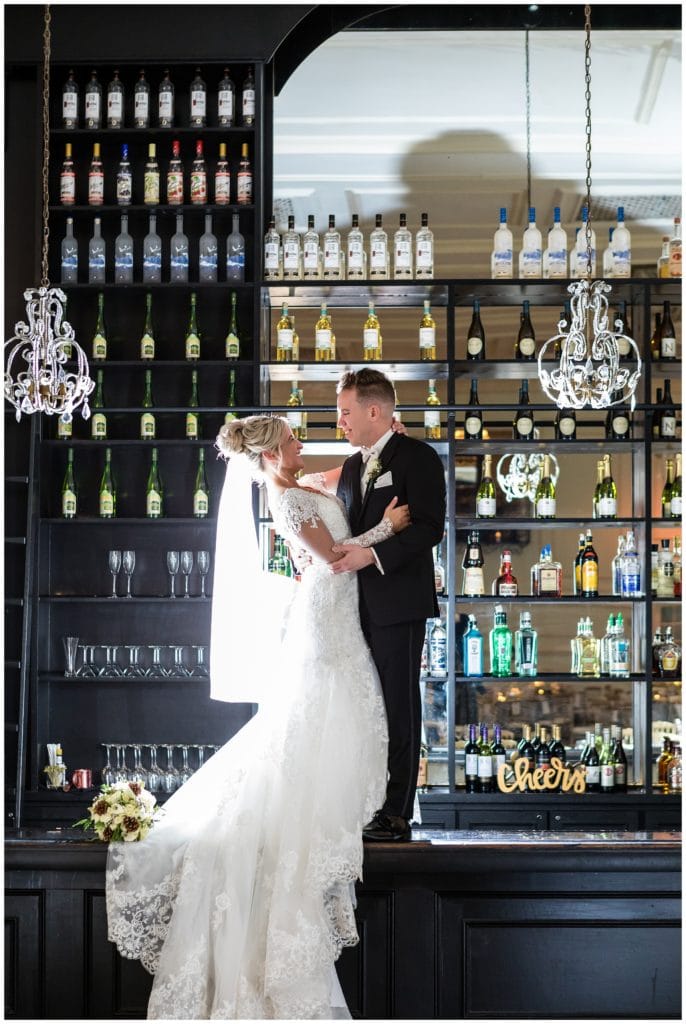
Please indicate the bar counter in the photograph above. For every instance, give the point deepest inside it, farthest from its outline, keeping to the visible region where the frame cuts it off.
(453, 925)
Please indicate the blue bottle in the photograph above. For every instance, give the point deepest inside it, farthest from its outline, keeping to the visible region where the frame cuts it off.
(472, 649)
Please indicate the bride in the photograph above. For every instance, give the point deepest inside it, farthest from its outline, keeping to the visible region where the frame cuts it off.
(242, 897)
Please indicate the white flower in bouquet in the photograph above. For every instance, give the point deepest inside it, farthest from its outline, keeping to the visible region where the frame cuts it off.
(125, 811)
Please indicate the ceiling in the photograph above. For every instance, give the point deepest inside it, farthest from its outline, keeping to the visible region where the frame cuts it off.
(389, 122)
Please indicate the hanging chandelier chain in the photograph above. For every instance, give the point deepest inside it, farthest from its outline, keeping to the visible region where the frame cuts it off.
(587, 78)
(46, 144)
(527, 79)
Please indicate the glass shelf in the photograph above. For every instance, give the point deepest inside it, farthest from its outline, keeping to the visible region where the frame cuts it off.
(330, 371)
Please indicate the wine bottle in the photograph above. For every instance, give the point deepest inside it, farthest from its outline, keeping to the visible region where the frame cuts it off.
(115, 101)
(472, 649)
(523, 423)
(545, 493)
(620, 761)
(123, 254)
(324, 336)
(151, 178)
(248, 98)
(655, 345)
(226, 96)
(244, 178)
(295, 419)
(207, 254)
(607, 504)
(147, 424)
(99, 419)
(589, 568)
(291, 257)
(371, 336)
(402, 250)
(222, 178)
(70, 102)
(473, 424)
(201, 491)
(93, 102)
(476, 336)
(154, 493)
(427, 333)
(607, 769)
(592, 765)
(175, 187)
(233, 341)
(675, 250)
(485, 495)
(525, 346)
(69, 494)
(424, 249)
(618, 420)
(432, 418)
(498, 753)
(165, 101)
(485, 762)
(667, 335)
(100, 335)
(471, 762)
(107, 499)
(67, 178)
(97, 255)
(141, 102)
(192, 417)
(666, 499)
(147, 343)
(500, 644)
(198, 102)
(473, 567)
(69, 255)
(565, 425)
(272, 252)
(192, 342)
(675, 501)
(235, 253)
(667, 414)
(378, 250)
(284, 336)
(597, 493)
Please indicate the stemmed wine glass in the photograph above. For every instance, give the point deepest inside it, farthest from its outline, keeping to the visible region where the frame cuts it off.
(107, 774)
(170, 777)
(203, 563)
(172, 569)
(128, 562)
(114, 562)
(185, 773)
(153, 773)
(186, 569)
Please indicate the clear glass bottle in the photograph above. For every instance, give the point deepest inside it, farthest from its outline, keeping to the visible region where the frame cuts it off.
(199, 176)
(175, 186)
(675, 770)
(152, 253)
(70, 102)
(226, 100)
(427, 334)
(473, 567)
(676, 562)
(526, 647)
(151, 178)
(115, 102)
(235, 253)
(616, 567)
(178, 259)
(620, 651)
(589, 653)
(432, 417)
(272, 253)
(69, 255)
(96, 178)
(605, 646)
(402, 250)
(500, 644)
(67, 178)
(333, 254)
(222, 178)
(378, 250)
(96, 255)
(675, 498)
(372, 341)
(608, 264)
(665, 571)
(93, 103)
(244, 178)
(438, 651)
(356, 256)
(141, 102)
(424, 249)
(248, 98)
(631, 568)
(165, 101)
(311, 251)
(472, 650)
(291, 250)
(197, 115)
(531, 255)
(501, 257)
(124, 178)
(207, 253)
(621, 247)
(557, 248)
(123, 253)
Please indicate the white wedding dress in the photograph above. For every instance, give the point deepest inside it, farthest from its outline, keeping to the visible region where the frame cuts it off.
(242, 897)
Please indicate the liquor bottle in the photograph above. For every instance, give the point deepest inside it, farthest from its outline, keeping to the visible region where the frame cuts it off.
(500, 644)
(248, 98)
(207, 253)
(235, 253)
(295, 419)
(356, 256)
(93, 103)
(96, 178)
(199, 176)
(663, 764)
(617, 565)
(175, 176)
(501, 257)
(620, 651)
(665, 571)
(485, 495)
(667, 335)
(107, 495)
(192, 417)
(154, 492)
(311, 253)
(402, 250)
(505, 584)
(192, 342)
(424, 249)
(607, 768)
(557, 248)
(438, 651)
(589, 568)
(427, 334)
(226, 95)
(324, 337)
(432, 418)
(577, 565)
(333, 253)
(123, 253)
(526, 647)
(621, 247)
(124, 178)
(151, 178)
(655, 338)
(669, 657)
(525, 346)
(476, 336)
(244, 178)
(605, 646)
(70, 102)
(178, 254)
(67, 178)
(100, 333)
(589, 652)
(378, 250)
(222, 178)
(531, 257)
(618, 420)
(147, 343)
(663, 258)
(165, 101)
(545, 493)
(485, 762)
(675, 770)
(115, 102)
(592, 764)
(96, 255)
(607, 500)
(198, 105)
(675, 500)
(473, 567)
(272, 253)
(630, 571)
(536, 738)
(667, 414)
(471, 762)
(372, 342)
(147, 423)
(473, 423)
(69, 255)
(543, 753)
(655, 417)
(201, 490)
(498, 753)
(439, 570)
(152, 253)
(284, 337)
(607, 255)
(526, 749)
(666, 499)
(233, 340)
(99, 418)
(472, 649)
(292, 256)
(231, 399)
(654, 567)
(623, 326)
(69, 493)
(546, 575)
(141, 102)
(582, 246)
(523, 423)
(565, 425)
(675, 250)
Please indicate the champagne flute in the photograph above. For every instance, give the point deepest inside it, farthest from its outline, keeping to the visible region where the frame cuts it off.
(114, 562)
(203, 562)
(172, 569)
(186, 569)
(128, 562)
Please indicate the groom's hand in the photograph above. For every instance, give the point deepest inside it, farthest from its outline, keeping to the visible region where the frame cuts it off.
(353, 557)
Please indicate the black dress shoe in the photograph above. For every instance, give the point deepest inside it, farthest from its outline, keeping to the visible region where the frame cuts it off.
(387, 828)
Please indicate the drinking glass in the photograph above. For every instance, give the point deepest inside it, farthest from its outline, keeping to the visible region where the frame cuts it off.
(110, 668)
(128, 562)
(156, 668)
(71, 649)
(179, 668)
(200, 668)
(114, 562)
(153, 774)
(186, 569)
(88, 667)
(107, 775)
(137, 774)
(121, 773)
(186, 772)
(172, 569)
(203, 563)
(134, 668)
(170, 778)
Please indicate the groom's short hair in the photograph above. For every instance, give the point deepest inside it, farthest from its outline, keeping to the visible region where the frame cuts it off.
(371, 386)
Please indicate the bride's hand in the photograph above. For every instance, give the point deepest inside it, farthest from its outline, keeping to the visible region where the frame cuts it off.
(398, 426)
(398, 515)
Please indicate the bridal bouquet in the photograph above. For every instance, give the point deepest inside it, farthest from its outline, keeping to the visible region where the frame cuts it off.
(123, 811)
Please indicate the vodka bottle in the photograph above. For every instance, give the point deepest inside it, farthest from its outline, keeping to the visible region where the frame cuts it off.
(179, 253)
(675, 250)
(501, 257)
(207, 253)
(198, 104)
(69, 495)
(424, 249)
(616, 566)
(356, 256)
(378, 250)
(69, 255)
(123, 253)
(222, 178)
(427, 334)
(96, 255)
(582, 248)
(67, 178)
(192, 342)
(226, 100)
(93, 103)
(272, 253)
(96, 178)
(235, 253)
(175, 176)
(333, 255)
(402, 250)
(438, 651)
(608, 257)
(165, 101)
(557, 248)
(248, 98)
(372, 342)
(526, 647)
(124, 178)
(244, 178)
(605, 646)
(291, 251)
(199, 176)
(151, 178)
(531, 257)
(665, 570)
(621, 247)
(70, 102)
(115, 102)
(311, 252)
(152, 253)
(141, 102)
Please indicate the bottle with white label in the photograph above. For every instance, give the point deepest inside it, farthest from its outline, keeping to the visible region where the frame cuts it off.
(402, 250)
(123, 253)
(69, 495)
(324, 340)
(531, 256)
(501, 257)
(525, 346)
(96, 178)
(333, 254)
(147, 421)
(199, 176)
(235, 253)
(222, 178)
(427, 334)
(226, 96)
(67, 178)
(207, 253)
(124, 178)
(272, 253)
(99, 417)
(311, 251)
(523, 424)
(69, 262)
(295, 419)
(476, 336)
(284, 336)
(201, 490)
(473, 421)
(372, 342)
(96, 255)
(165, 101)
(424, 249)
(473, 567)
(557, 248)
(438, 651)
(582, 245)
(93, 103)
(378, 250)
(545, 502)
(485, 495)
(356, 258)
(291, 250)
(472, 649)
(115, 102)
(198, 102)
(141, 102)
(665, 570)
(152, 253)
(432, 417)
(608, 260)
(667, 334)
(178, 260)
(244, 178)
(154, 496)
(70, 102)
(248, 98)
(621, 247)
(607, 499)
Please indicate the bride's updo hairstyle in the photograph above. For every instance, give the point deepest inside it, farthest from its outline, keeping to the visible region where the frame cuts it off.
(251, 437)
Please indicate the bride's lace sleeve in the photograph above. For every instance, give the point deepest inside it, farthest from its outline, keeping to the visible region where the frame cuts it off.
(296, 508)
(382, 531)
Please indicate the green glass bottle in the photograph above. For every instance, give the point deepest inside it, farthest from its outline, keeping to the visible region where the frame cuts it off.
(231, 400)
(500, 644)
(147, 430)
(193, 334)
(485, 495)
(154, 498)
(607, 767)
(65, 427)
(675, 496)
(607, 505)
(148, 335)
(107, 503)
(100, 335)
(201, 491)
(485, 761)
(545, 493)
(667, 490)
(233, 341)
(192, 418)
(99, 419)
(69, 496)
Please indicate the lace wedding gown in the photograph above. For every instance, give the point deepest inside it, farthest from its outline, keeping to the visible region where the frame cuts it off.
(242, 897)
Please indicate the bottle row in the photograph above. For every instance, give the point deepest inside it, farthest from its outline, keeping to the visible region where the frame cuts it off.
(669, 766)
(179, 184)
(225, 108)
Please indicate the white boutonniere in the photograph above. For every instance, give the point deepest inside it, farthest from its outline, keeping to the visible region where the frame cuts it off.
(374, 470)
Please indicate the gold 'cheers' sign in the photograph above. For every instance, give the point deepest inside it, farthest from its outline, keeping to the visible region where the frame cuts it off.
(524, 779)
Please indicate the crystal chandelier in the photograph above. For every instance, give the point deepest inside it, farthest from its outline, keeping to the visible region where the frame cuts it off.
(589, 373)
(41, 346)
(522, 476)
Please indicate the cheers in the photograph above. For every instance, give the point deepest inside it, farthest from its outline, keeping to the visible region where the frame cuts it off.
(554, 777)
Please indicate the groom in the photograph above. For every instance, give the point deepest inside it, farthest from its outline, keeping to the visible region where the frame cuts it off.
(396, 578)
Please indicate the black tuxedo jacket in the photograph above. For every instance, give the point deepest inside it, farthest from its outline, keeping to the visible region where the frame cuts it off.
(406, 590)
